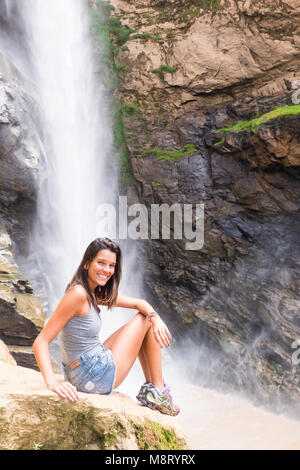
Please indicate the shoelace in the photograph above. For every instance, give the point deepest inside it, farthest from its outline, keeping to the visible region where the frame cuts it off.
(167, 390)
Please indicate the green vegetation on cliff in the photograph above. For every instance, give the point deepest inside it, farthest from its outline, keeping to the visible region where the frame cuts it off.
(185, 11)
(200, 6)
(120, 32)
(152, 436)
(109, 34)
(253, 125)
(164, 69)
(129, 109)
(160, 154)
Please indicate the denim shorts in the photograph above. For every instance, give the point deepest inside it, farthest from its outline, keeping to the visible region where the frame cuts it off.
(95, 373)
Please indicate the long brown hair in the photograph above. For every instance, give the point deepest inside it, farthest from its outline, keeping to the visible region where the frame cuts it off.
(107, 294)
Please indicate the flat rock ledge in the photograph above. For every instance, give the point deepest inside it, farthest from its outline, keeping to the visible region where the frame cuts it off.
(33, 418)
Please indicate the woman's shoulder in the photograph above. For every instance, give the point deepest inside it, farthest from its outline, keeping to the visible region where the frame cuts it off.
(78, 292)
(78, 297)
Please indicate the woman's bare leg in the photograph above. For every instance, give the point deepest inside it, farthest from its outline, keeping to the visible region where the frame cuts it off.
(144, 364)
(136, 339)
(143, 361)
(152, 359)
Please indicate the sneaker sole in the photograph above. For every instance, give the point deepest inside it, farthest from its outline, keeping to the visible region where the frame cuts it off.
(160, 408)
(141, 400)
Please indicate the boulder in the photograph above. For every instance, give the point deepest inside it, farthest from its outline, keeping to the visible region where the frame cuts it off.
(21, 314)
(34, 418)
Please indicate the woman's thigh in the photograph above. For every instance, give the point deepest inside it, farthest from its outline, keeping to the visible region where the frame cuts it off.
(125, 344)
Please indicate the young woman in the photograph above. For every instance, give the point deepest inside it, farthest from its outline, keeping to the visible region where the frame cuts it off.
(90, 366)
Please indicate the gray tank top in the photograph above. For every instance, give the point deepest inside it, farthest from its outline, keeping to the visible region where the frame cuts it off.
(80, 335)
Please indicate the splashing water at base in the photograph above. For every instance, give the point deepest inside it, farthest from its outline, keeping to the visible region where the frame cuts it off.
(225, 421)
(213, 420)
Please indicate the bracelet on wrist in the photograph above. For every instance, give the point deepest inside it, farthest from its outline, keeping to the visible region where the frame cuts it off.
(151, 314)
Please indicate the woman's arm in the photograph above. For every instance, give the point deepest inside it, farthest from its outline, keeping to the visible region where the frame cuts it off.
(160, 329)
(130, 302)
(71, 304)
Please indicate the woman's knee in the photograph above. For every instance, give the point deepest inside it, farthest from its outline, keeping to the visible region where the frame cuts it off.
(143, 320)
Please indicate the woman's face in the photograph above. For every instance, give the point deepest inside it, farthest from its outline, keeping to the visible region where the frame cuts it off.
(101, 268)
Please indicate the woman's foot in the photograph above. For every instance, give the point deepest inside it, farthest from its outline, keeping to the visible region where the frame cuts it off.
(150, 396)
(141, 396)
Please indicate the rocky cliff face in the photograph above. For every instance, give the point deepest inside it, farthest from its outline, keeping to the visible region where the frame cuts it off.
(188, 70)
(21, 151)
(21, 314)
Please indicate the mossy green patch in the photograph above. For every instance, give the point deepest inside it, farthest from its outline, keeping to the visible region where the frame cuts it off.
(130, 109)
(121, 33)
(200, 6)
(152, 436)
(164, 69)
(253, 125)
(160, 154)
(142, 36)
(148, 36)
(59, 425)
(48, 423)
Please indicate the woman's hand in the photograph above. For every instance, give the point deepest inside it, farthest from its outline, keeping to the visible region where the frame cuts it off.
(161, 332)
(64, 390)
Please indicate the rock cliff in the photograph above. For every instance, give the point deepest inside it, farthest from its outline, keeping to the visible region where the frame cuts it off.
(21, 156)
(32, 418)
(209, 93)
(21, 314)
(20, 151)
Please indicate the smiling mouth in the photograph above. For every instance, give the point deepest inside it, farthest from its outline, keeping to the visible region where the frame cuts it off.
(101, 277)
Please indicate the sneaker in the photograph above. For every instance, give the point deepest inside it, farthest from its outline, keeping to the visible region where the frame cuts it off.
(168, 391)
(161, 401)
(141, 396)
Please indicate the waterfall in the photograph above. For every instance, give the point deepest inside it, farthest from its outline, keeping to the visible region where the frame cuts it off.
(77, 138)
(78, 172)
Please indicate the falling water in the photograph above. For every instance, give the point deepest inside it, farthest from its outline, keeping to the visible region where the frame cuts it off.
(78, 172)
(77, 138)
